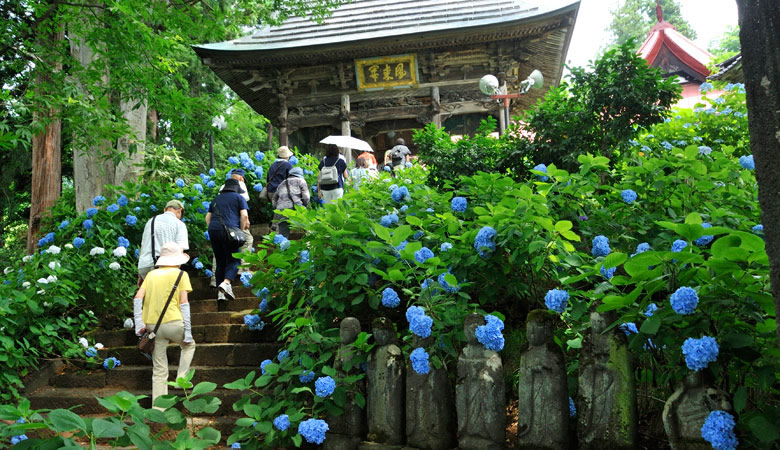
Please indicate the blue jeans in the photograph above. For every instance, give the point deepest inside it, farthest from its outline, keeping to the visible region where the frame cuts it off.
(227, 265)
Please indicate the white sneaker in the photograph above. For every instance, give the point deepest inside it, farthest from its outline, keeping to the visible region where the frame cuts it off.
(227, 289)
(220, 296)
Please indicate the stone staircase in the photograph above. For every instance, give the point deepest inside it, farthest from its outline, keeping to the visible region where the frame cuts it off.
(226, 351)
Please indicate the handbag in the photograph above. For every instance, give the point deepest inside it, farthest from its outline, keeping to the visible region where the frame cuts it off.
(235, 235)
(146, 341)
(329, 174)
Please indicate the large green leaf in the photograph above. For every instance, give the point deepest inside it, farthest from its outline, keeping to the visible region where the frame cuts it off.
(105, 429)
(64, 420)
(203, 388)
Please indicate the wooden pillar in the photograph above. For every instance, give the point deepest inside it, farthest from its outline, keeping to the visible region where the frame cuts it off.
(436, 107)
(345, 125)
(502, 122)
(283, 120)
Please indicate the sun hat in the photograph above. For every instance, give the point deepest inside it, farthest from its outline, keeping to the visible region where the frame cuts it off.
(283, 152)
(232, 185)
(176, 204)
(295, 172)
(171, 254)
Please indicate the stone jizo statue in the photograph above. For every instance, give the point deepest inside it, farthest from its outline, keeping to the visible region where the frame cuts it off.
(688, 408)
(347, 430)
(386, 401)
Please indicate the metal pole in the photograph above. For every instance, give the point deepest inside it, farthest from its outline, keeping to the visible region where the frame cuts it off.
(211, 148)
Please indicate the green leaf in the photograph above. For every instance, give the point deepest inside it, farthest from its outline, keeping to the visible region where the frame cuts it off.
(203, 388)
(400, 234)
(740, 399)
(210, 435)
(165, 401)
(395, 275)
(651, 325)
(64, 420)
(196, 406)
(763, 429)
(104, 429)
(574, 343)
(693, 218)
(412, 220)
(614, 259)
(382, 232)
(563, 225)
(297, 440)
(139, 436)
(737, 340)
(570, 235)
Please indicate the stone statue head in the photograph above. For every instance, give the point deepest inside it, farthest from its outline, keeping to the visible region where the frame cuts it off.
(349, 330)
(470, 325)
(598, 322)
(384, 333)
(539, 327)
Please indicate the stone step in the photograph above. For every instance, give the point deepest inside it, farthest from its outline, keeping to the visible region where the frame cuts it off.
(237, 305)
(245, 354)
(219, 317)
(209, 293)
(217, 333)
(83, 401)
(139, 377)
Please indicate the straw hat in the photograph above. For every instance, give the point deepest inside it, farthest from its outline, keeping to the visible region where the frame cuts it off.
(283, 152)
(171, 254)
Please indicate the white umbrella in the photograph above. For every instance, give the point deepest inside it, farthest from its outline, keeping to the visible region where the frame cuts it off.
(348, 142)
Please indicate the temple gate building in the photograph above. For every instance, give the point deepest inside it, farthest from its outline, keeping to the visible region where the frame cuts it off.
(379, 70)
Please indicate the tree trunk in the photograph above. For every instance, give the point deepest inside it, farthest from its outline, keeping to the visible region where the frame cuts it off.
(47, 144)
(759, 25)
(133, 146)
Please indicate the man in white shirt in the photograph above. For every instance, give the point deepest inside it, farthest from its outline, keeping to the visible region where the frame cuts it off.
(238, 175)
(167, 227)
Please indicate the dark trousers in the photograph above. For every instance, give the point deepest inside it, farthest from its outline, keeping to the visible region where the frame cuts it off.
(227, 265)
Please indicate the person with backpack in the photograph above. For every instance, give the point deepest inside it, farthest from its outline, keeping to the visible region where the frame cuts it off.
(333, 170)
(291, 192)
(399, 154)
(160, 229)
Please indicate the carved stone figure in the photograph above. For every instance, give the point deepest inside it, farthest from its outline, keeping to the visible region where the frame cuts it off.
(346, 431)
(386, 388)
(688, 408)
(479, 393)
(430, 412)
(607, 392)
(543, 403)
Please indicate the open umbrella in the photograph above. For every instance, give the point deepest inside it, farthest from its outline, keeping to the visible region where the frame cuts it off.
(348, 142)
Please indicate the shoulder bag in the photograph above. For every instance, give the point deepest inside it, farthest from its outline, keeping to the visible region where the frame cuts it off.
(329, 174)
(146, 341)
(235, 235)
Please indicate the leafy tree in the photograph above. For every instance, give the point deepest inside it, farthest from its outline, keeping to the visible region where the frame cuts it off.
(599, 110)
(726, 46)
(635, 18)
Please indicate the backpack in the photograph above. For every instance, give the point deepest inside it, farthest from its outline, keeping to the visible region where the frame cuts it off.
(329, 174)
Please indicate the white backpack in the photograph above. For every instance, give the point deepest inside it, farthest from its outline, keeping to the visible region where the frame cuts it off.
(329, 174)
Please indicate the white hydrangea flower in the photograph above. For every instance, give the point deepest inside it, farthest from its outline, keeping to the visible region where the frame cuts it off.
(54, 250)
(54, 265)
(51, 279)
(69, 245)
(97, 251)
(26, 258)
(46, 304)
(26, 284)
(83, 342)
(98, 345)
(114, 266)
(120, 252)
(41, 292)
(8, 270)
(43, 281)
(129, 323)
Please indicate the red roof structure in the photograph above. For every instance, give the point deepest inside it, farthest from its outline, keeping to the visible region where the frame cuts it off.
(669, 50)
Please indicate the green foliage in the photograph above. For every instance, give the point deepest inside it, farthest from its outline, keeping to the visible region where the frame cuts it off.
(599, 110)
(726, 46)
(634, 19)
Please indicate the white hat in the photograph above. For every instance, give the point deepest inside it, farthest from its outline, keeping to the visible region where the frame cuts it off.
(283, 152)
(171, 254)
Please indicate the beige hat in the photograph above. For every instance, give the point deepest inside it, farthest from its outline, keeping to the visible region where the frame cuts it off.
(176, 204)
(283, 152)
(171, 254)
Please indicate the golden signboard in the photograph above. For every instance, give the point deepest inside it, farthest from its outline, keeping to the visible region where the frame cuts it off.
(386, 72)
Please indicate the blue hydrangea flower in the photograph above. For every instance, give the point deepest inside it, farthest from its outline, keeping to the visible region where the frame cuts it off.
(600, 246)
(233, 160)
(407, 164)
(572, 408)
(293, 160)
(421, 325)
(259, 172)
(423, 255)
(418, 235)
(684, 300)
(706, 239)
(304, 257)
(542, 168)
(413, 311)
(284, 245)
(483, 243)
(704, 150)
(123, 242)
(178, 195)
(419, 359)
(429, 210)
(207, 272)
(198, 187)
(386, 168)
(443, 283)
(64, 224)
(489, 335)
(400, 194)
(153, 208)
(704, 87)
(313, 430)
(180, 182)
(556, 300)
(651, 309)
(608, 273)
(718, 430)
(390, 298)
(236, 445)
(282, 355)
(747, 162)
(111, 363)
(628, 196)
(78, 242)
(678, 245)
(91, 212)
(324, 386)
(259, 156)
(666, 145)
(641, 248)
(392, 187)
(758, 229)
(263, 364)
(258, 187)
(306, 376)
(253, 322)
(446, 246)
(211, 184)
(700, 352)
(206, 235)
(87, 224)
(459, 204)
(629, 328)
(91, 352)
(246, 279)
(404, 208)
(278, 239)
(18, 438)
(263, 306)
(137, 209)
(282, 423)
(97, 201)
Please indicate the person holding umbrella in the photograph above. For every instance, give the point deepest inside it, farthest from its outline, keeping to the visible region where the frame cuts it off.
(333, 170)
